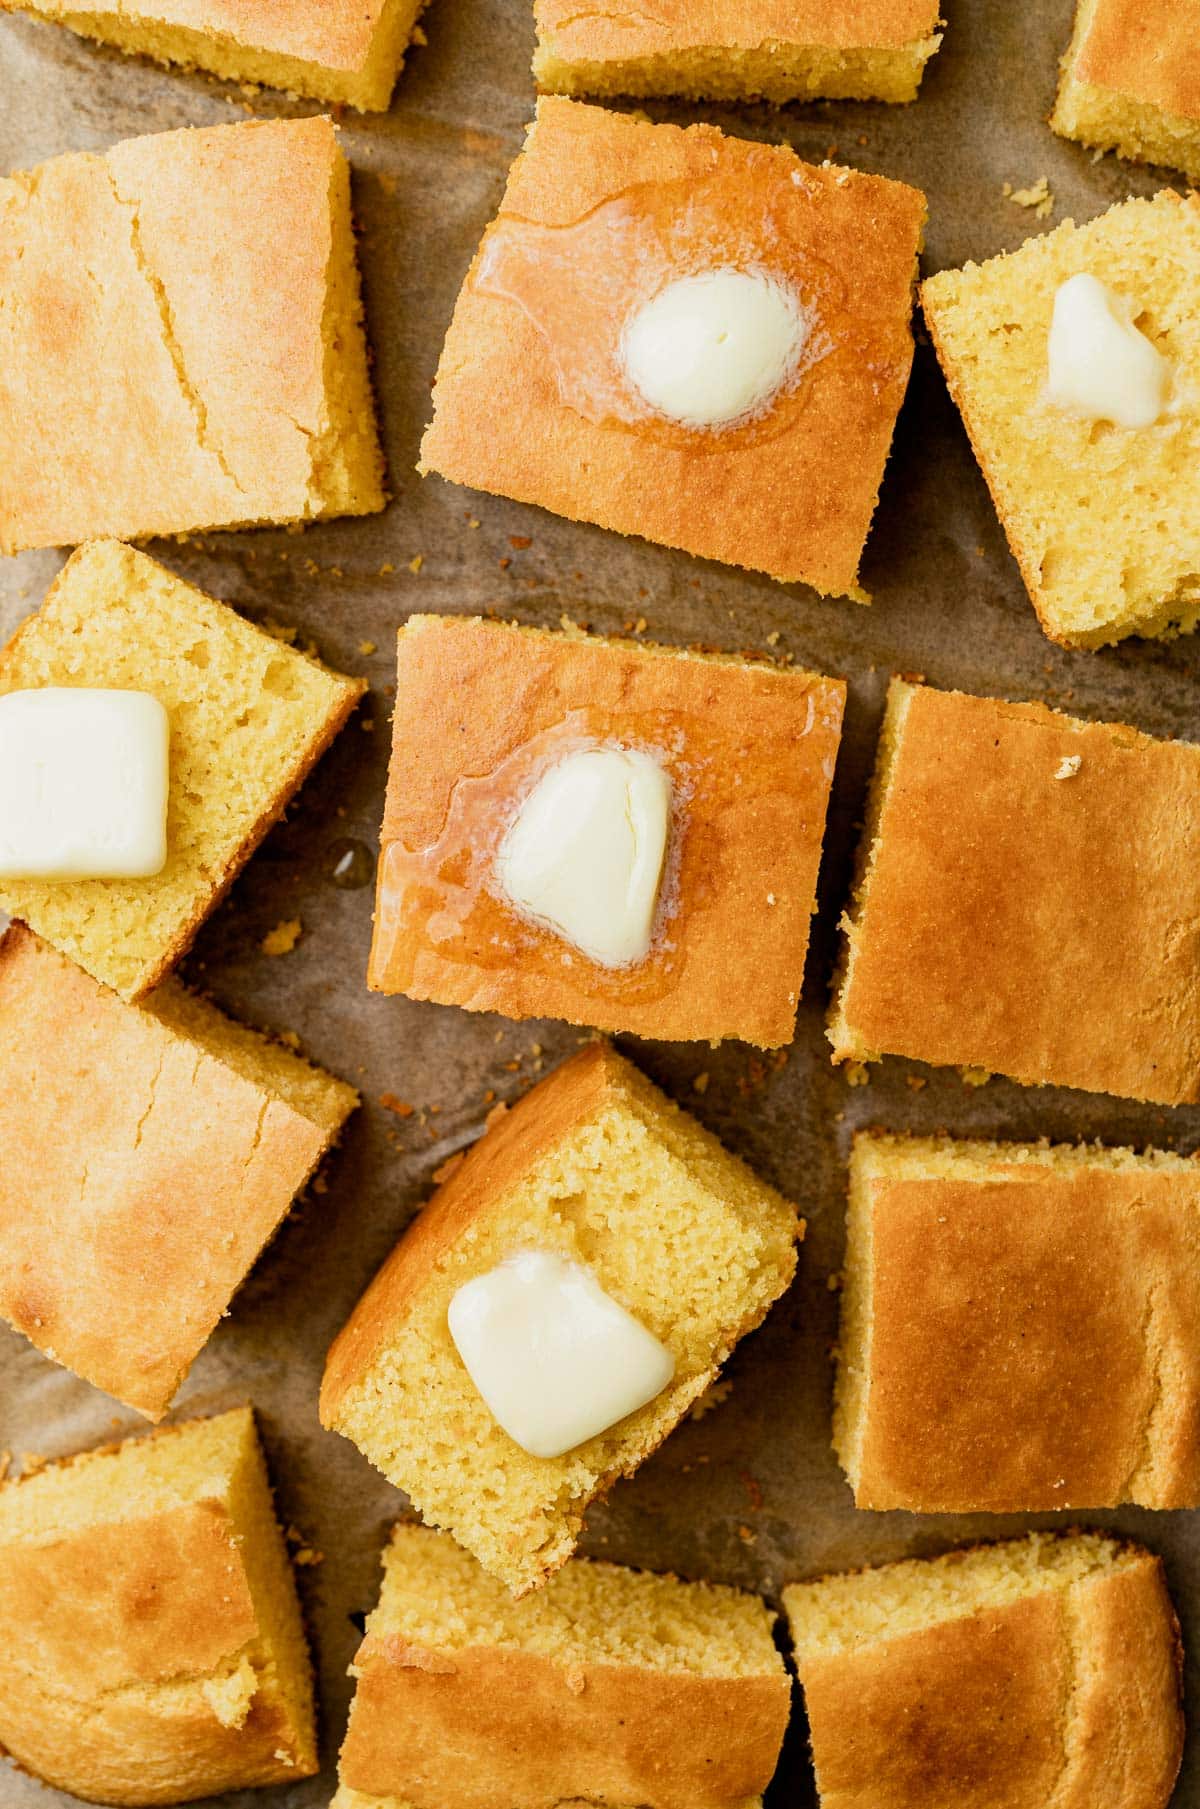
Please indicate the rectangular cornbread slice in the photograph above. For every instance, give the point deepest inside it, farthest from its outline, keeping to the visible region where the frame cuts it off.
(151, 1646)
(347, 51)
(1131, 82)
(249, 718)
(750, 752)
(738, 50)
(595, 1165)
(1067, 1377)
(1026, 883)
(601, 213)
(608, 1686)
(163, 366)
(1041, 1672)
(147, 1154)
(1102, 520)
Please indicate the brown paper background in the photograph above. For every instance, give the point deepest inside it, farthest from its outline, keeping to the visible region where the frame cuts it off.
(752, 1494)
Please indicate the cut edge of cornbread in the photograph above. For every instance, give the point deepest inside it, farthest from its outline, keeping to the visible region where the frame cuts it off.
(347, 473)
(1105, 119)
(776, 72)
(526, 1524)
(134, 30)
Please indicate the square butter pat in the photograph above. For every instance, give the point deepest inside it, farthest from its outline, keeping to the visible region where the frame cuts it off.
(83, 784)
(556, 1359)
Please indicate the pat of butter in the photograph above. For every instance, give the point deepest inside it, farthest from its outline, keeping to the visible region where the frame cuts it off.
(1101, 366)
(711, 349)
(83, 784)
(585, 852)
(556, 1359)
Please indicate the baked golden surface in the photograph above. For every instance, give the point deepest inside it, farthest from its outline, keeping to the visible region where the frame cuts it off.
(1018, 1327)
(1028, 901)
(1131, 81)
(600, 210)
(594, 1164)
(609, 1685)
(151, 1648)
(482, 706)
(162, 366)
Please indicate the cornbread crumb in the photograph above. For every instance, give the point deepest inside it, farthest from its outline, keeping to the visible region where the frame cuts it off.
(283, 938)
(1037, 196)
(1068, 766)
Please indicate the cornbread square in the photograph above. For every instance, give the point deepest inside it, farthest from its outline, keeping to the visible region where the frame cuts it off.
(1027, 889)
(483, 707)
(249, 718)
(594, 1164)
(348, 51)
(609, 1686)
(773, 50)
(1070, 1380)
(601, 211)
(151, 1648)
(147, 1154)
(166, 365)
(1131, 82)
(1044, 1671)
(1100, 518)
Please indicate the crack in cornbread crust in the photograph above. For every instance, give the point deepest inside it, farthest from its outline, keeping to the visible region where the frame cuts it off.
(342, 50)
(1049, 1679)
(1068, 1379)
(797, 505)
(1024, 924)
(151, 382)
(1131, 82)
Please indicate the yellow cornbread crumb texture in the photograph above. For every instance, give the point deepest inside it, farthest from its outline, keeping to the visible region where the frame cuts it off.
(772, 71)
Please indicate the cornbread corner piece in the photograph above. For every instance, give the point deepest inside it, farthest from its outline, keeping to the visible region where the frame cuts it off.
(609, 1686)
(739, 50)
(249, 718)
(347, 51)
(147, 1154)
(1131, 82)
(1101, 519)
(1040, 1671)
(1070, 1380)
(595, 1165)
(151, 1646)
(602, 210)
(1027, 900)
(750, 752)
(164, 366)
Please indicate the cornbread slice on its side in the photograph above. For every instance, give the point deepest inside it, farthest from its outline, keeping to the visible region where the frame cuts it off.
(604, 211)
(1102, 520)
(594, 1165)
(1040, 1674)
(249, 718)
(772, 50)
(484, 707)
(1131, 82)
(164, 364)
(1028, 899)
(1018, 1327)
(349, 51)
(151, 1648)
(609, 1686)
(147, 1154)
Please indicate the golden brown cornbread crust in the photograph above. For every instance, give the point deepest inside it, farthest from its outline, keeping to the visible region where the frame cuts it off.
(751, 752)
(1060, 1700)
(797, 505)
(1147, 49)
(162, 367)
(736, 24)
(1008, 919)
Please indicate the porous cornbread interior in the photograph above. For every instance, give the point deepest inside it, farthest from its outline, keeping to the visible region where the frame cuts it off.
(1129, 113)
(247, 1720)
(249, 718)
(1101, 519)
(594, 1164)
(346, 476)
(343, 52)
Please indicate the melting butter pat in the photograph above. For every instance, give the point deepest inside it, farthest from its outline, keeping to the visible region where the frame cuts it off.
(556, 1359)
(1101, 365)
(712, 349)
(585, 852)
(83, 784)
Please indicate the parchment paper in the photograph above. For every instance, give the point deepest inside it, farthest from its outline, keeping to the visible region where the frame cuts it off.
(751, 1494)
